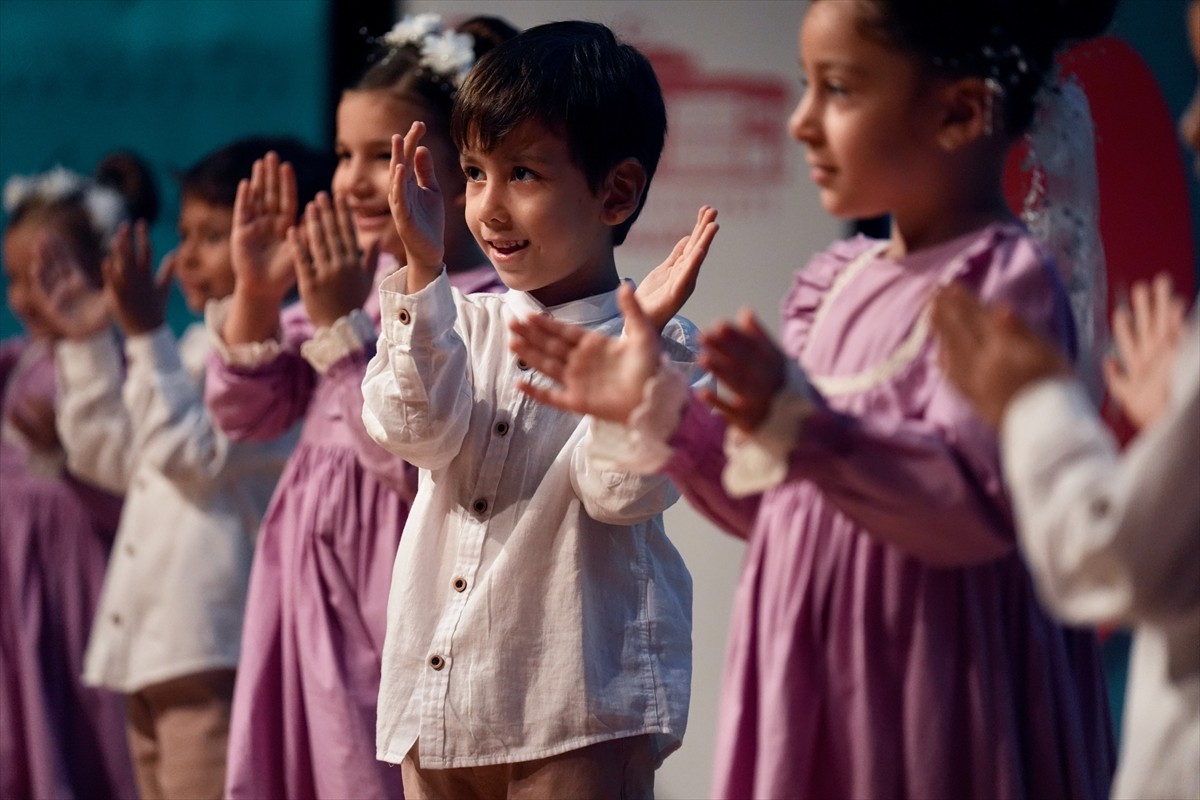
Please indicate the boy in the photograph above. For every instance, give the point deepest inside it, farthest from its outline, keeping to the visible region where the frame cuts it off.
(539, 626)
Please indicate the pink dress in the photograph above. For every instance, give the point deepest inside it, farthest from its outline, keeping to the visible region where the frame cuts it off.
(886, 639)
(303, 722)
(58, 738)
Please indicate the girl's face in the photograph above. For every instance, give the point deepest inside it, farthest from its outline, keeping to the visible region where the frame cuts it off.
(867, 116)
(20, 267)
(366, 121)
(203, 264)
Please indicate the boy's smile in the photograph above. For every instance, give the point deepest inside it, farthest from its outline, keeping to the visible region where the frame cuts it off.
(530, 208)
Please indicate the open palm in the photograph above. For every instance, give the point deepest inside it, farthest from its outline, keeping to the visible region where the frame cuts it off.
(263, 210)
(668, 286)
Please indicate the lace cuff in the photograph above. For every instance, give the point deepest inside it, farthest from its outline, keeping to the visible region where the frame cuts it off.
(349, 334)
(247, 355)
(758, 461)
(640, 446)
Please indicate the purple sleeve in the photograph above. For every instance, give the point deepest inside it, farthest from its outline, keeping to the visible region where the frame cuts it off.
(263, 402)
(696, 469)
(932, 485)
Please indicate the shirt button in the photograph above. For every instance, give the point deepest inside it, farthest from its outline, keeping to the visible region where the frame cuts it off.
(480, 506)
(116, 619)
(521, 365)
(129, 549)
(502, 429)
(437, 662)
(460, 584)
(404, 316)
(1099, 507)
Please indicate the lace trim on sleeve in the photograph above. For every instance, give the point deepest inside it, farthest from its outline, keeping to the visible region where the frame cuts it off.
(640, 446)
(349, 334)
(249, 354)
(758, 461)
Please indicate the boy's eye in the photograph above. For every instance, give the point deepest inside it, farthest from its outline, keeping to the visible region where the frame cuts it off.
(473, 173)
(341, 155)
(522, 174)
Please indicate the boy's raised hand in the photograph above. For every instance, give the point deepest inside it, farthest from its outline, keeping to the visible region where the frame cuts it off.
(1147, 334)
(417, 209)
(669, 285)
(598, 375)
(71, 306)
(136, 295)
(749, 366)
(334, 276)
(263, 210)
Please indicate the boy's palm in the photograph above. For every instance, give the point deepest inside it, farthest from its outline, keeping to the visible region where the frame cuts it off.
(415, 199)
(134, 292)
(668, 286)
(597, 374)
(1147, 337)
(73, 307)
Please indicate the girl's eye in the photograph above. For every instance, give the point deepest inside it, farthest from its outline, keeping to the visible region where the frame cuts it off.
(835, 89)
(342, 155)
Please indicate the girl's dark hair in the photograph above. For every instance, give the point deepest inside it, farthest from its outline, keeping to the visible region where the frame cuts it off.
(399, 70)
(578, 80)
(1010, 41)
(214, 178)
(123, 172)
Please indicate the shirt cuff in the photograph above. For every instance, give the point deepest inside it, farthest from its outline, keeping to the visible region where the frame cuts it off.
(153, 351)
(758, 461)
(82, 360)
(349, 334)
(1033, 425)
(247, 355)
(640, 446)
(404, 315)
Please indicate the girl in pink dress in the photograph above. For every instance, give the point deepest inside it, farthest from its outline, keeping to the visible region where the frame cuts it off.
(886, 639)
(304, 704)
(58, 737)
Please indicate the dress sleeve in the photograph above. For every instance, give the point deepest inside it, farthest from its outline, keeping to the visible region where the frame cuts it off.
(1109, 537)
(259, 401)
(93, 424)
(931, 485)
(417, 392)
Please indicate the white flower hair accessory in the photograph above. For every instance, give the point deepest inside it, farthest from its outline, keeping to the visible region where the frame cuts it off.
(104, 206)
(447, 55)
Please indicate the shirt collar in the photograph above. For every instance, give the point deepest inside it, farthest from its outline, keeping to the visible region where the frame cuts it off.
(585, 311)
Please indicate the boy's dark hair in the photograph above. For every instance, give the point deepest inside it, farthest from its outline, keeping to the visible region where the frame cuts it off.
(579, 81)
(214, 178)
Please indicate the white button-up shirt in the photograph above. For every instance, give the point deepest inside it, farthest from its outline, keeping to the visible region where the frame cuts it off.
(175, 589)
(1114, 537)
(537, 605)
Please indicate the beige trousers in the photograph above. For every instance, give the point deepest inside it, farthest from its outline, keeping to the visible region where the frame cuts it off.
(178, 736)
(619, 769)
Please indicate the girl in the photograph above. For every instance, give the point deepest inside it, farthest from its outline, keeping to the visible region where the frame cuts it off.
(886, 641)
(59, 738)
(304, 706)
(168, 629)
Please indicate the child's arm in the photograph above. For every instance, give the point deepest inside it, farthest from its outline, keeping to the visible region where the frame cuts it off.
(417, 208)
(417, 394)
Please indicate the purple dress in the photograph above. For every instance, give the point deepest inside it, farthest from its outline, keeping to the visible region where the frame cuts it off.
(303, 722)
(886, 640)
(58, 738)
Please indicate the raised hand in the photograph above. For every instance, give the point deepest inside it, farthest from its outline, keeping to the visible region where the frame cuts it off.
(669, 285)
(749, 366)
(417, 208)
(334, 276)
(989, 354)
(597, 374)
(1147, 335)
(135, 294)
(263, 210)
(71, 306)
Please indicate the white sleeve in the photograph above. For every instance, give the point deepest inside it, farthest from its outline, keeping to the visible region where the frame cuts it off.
(417, 393)
(1109, 536)
(92, 422)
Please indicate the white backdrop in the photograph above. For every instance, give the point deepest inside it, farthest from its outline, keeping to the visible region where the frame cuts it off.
(728, 71)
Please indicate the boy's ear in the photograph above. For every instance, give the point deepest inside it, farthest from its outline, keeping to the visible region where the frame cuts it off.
(971, 109)
(622, 191)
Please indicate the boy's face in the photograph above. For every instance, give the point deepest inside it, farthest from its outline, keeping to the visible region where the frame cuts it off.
(203, 266)
(531, 210)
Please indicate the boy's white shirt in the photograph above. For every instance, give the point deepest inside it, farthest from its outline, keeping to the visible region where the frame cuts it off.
(559, 610)
(1114, 537)
(175, 589)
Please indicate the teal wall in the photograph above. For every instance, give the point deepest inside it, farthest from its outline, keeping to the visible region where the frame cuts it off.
(169, 79)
